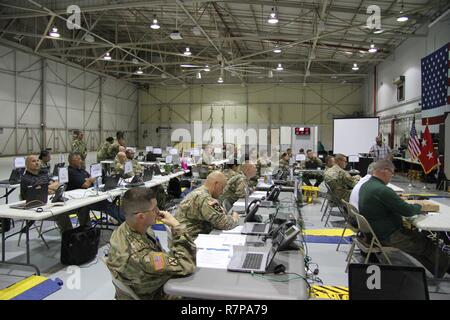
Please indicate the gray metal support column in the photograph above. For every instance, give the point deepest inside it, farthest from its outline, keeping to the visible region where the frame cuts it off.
(100, 105)
(138, 119)
(44, 105)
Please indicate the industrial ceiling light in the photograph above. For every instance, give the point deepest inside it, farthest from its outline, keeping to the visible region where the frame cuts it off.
(273, 17)
(155, 25)
(220, 80)
(402, 17)
(276, 49)
(139, 71)
(280, 67)
(107, 56)
(355, 67)
(207, 69)
(372, 48)
(187, 52)
(54, 33)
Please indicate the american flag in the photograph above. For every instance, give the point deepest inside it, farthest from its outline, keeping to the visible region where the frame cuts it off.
(435, 87)
(413, 144)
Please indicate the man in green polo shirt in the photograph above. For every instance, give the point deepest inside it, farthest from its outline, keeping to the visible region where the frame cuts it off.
(384, 210)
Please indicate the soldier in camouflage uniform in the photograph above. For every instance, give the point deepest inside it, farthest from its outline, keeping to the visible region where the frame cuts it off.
(119, 166)
(114, 149)
(329, 162)
(284, 164)
(136, 258)
(263, 164)
(102, 153)
(339, 180)
(200, 210)
(137, 168)
(80, 146)
(312, 162)
(44, 161)
(236, 186)
(231, 169)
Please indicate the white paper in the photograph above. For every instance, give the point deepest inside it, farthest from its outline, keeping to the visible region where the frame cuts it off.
(173, 151)
(231, 239)
(96, 170)
(157, 151)
(239, 204)
(63, 175)
(237, 230)
(149, 149)
(19, 162)
(213, 258)
(300, 157)
(168, 159)
(353, 158)
(210, 241)
(128, 167)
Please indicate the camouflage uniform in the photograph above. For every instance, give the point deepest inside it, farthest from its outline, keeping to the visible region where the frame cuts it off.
(340, 182)
(284, 165)
(119, 168)
(80, 146)
(263, 166)
(138, 260)
(113, 150)
(137, 168)
(201, 213)
(229, 173)
(102, 153)
(235, 188)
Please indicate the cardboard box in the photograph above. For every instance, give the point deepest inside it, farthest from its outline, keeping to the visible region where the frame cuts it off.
(427, 206)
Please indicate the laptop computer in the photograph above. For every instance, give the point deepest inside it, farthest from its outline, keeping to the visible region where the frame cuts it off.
(387, 282)
(110, 182)
(35, 197)
(148, 174)
(255, 228)
(15, 176)
(135, 182)
(253, 259)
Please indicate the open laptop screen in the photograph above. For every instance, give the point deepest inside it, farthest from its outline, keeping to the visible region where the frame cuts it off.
(386, 282)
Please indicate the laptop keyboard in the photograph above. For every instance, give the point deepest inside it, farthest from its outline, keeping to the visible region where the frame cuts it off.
(259, 227)
(252, 261)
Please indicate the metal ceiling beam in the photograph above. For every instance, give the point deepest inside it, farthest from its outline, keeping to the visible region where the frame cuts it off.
(47, 29)
(153, 3)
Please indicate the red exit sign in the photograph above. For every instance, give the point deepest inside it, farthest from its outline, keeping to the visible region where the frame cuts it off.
(302, 131)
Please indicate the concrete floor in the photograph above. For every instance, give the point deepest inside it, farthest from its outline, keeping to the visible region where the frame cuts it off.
(95, 280)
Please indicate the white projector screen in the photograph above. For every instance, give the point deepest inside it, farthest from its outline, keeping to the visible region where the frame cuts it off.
(354, 135)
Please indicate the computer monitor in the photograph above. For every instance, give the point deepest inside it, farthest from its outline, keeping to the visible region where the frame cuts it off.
(386, 282)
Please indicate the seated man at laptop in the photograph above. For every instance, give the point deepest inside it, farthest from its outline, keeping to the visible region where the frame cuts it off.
(81, 179)
(33, 177)
(235, 187)
(200, 210)
(384, 210)
(137, 168)
(136, 257)
(339, 180)
(119, 165)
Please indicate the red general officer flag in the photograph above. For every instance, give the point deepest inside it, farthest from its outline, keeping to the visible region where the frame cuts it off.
(427, 157)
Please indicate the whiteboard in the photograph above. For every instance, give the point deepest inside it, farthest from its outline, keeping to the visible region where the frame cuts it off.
(354, 135)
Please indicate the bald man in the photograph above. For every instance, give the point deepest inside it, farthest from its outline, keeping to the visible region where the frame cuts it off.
(119, 165)
(201, 212)
(236, 185)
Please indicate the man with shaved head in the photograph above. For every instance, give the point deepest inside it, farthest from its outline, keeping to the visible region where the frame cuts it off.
(201, 212)
(235, 187)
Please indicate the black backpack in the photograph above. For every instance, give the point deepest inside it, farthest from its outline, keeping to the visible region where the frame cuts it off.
(174, 188)
(79, 245)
